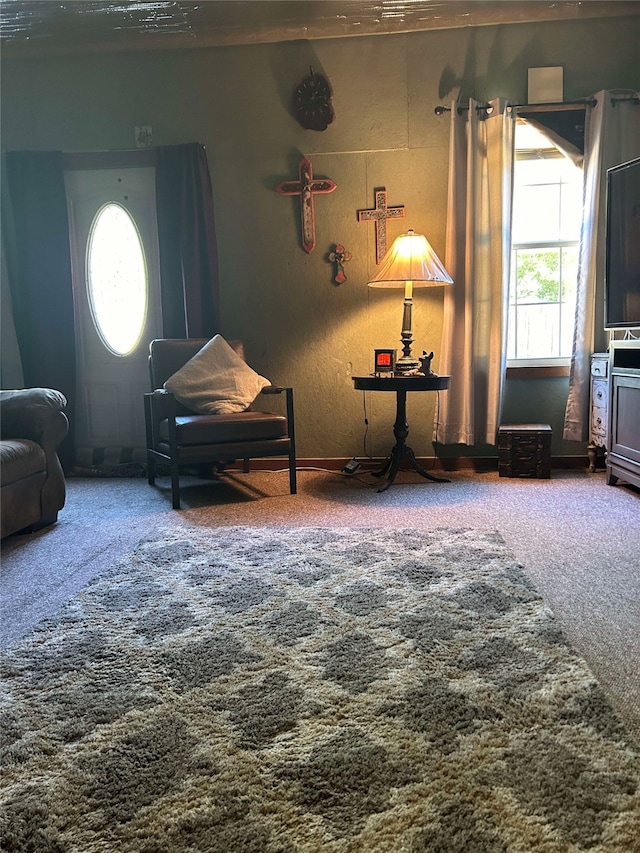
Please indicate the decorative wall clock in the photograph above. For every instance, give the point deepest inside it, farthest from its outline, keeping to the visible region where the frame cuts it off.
(379, 214)
(306, 187)
(312, 102)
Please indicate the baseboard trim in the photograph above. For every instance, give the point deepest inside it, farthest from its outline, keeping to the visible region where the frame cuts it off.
(460, 463)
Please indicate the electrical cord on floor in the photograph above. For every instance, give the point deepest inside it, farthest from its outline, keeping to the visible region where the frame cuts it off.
(298, 468)
(341, 473)
(350, 469)
(353, 466)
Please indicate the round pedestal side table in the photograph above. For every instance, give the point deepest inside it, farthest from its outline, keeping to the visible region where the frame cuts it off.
(401, 450)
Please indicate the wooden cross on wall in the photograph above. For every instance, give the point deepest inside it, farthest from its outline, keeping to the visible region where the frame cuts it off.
(380, 213)
(306, 186)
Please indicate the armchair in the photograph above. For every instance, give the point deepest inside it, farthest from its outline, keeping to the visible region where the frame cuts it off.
(179, 436)
(32, 426)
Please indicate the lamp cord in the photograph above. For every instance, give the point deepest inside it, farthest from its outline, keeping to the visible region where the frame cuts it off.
(366, 426)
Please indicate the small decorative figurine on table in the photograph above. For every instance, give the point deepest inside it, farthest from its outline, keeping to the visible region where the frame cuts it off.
(425, 363)
(339, 256)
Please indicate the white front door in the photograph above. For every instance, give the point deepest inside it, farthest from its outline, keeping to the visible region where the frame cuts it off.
(116, 287)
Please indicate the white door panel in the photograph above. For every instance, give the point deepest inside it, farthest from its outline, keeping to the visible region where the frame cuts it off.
(102, 414)
(110, 386)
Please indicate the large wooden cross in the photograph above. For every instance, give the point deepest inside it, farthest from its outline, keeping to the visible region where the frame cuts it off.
(306, 186)
(380, 213)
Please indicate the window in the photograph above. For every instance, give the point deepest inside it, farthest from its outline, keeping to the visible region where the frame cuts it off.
(547, 213)
(117, 279)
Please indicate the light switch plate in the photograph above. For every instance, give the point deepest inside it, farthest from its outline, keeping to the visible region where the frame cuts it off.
(144, 136)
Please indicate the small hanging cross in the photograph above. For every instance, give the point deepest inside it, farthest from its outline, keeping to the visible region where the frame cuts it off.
(379, 214)
(340, 256)
(306, 186)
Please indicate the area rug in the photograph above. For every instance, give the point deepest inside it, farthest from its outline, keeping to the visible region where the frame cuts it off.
(311, 690)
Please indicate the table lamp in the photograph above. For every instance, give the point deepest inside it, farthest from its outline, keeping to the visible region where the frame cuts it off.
(410, 262)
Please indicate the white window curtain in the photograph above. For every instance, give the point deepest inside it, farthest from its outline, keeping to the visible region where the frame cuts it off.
(478, 250)
(612, 136)
(565, 147)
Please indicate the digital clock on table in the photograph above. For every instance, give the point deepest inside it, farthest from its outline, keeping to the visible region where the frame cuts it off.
(384, 360)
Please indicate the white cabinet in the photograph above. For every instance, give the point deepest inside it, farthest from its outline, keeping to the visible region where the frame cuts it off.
(599, 410)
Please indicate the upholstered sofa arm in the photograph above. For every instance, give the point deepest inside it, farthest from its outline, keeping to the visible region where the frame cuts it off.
(34, 413)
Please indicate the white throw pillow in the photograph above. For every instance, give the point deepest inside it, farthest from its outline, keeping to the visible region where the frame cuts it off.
(216, 381)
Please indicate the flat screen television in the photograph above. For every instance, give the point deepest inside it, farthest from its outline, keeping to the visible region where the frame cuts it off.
(622, 247)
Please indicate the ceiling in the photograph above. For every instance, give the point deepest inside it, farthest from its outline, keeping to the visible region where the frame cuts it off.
(44, 27)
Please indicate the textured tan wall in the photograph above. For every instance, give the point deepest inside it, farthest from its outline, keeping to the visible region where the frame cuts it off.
(300, 328)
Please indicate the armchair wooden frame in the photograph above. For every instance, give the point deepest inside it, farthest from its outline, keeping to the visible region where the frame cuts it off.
(174, 433)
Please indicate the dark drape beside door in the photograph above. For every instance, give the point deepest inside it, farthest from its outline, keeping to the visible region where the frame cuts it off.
(41, 289)
(187, 242)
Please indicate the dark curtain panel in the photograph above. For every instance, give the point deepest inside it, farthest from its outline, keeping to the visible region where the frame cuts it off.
(187, 241)
(41, 288)
(567, 124)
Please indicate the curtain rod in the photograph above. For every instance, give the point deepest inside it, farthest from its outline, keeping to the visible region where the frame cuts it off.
(551, 105)
(118, 159)
(578, 104)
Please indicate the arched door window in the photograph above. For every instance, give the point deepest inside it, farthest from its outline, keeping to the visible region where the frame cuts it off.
(116, 276)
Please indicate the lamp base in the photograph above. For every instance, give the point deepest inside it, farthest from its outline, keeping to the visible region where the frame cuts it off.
(407, 364)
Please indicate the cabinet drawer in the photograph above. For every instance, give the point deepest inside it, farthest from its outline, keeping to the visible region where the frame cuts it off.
(599, 422)
(600, 393)
(600, 367)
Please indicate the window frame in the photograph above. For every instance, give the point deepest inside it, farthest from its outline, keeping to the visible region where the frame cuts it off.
(100, 326)
(547, 365)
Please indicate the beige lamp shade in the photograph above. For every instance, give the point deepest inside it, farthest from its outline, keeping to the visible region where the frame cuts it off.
(410, 262)
(411, 258)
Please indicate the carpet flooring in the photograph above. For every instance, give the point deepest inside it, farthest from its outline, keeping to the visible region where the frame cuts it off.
(578, 539)
(311, 690)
